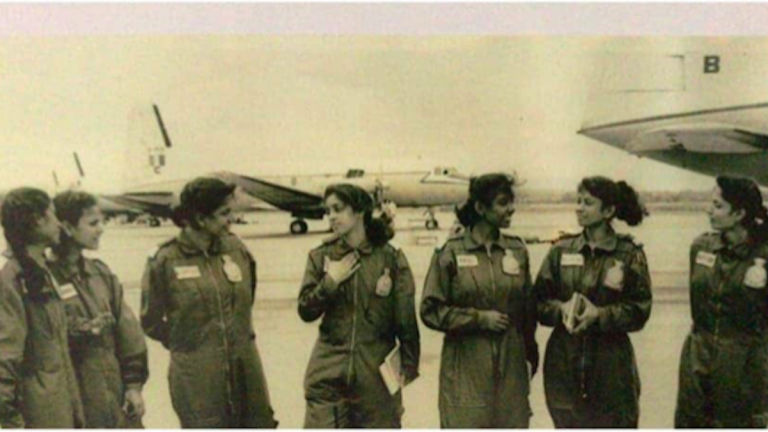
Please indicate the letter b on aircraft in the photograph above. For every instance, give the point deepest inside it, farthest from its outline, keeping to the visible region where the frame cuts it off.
(711, 64)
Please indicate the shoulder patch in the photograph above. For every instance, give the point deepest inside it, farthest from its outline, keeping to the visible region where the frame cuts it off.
(564, 239)
(514, 240)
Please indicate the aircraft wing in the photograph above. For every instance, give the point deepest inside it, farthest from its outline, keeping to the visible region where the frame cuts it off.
(707, 138)
(283, 197)
(159, 204)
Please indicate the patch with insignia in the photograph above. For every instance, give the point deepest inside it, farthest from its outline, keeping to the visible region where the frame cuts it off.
(231, 269)
(509, 264)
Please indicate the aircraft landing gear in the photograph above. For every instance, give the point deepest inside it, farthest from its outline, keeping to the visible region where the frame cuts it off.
(154, 222)
(431, 222)
(299, 227)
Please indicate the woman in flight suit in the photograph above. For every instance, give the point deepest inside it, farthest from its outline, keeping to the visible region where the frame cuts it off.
(38, 386)
(722, 367)
(362, 287)
(478, 292)
(106, 342)
(594, 288)
(198, 294)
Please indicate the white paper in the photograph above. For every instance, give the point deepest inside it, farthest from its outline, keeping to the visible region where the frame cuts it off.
(391, 371)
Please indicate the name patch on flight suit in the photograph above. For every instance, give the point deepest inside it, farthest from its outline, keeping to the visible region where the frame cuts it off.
(509, 264)
(66, 291)
(232, 270)
(572, 260)
(187, 272)
(706, 259)
(466, 261)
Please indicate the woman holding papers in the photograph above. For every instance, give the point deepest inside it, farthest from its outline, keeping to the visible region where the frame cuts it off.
(38, 386)
(105, 339)
(362, 286)
(594, 288)
(722, 367)
(198, 293)
(478, 292)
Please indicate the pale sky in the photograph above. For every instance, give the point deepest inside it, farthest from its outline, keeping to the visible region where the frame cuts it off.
(266, 105)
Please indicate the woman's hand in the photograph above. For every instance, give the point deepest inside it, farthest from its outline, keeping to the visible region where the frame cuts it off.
(134, 403)
(587, 317)
(343, 269)
(493, 320)
(570, 310)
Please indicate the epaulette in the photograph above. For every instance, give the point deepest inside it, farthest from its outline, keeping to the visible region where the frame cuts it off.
(565, 236)
(99, 263)
(155, 249)
(513, 237)
(631, 239)
(450, 238)
(330, 239)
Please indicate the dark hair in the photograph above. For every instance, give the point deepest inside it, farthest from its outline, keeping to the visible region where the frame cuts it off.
(621, 196)
(744, 194)
(70, 206)
(200, 197)
(378, 230)
(22, 209)
(484, 189)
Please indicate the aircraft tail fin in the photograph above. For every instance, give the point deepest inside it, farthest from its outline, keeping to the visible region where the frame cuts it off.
(147, 146)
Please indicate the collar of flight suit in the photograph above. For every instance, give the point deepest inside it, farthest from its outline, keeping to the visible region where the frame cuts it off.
(189, 247)
(608, 244)
(470, 244)
(741, 250)
(341, 247)
(82, 267)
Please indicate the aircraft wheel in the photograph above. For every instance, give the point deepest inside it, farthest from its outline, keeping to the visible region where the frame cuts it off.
(298, 227)
(154, 222)
(432, 224)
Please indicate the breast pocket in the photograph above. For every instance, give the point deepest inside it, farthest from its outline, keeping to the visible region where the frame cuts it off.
(188, 312)
(464, 289)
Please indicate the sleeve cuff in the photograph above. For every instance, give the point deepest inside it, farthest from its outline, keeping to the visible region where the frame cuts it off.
(603, 318)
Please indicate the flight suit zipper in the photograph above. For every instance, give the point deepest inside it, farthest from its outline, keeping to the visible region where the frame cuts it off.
(584, 394)
(494, 341)
(227, 369)
(350, 369)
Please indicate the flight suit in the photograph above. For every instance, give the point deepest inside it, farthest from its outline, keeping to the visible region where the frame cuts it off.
(362, 320)
(106, 341)
(38, 387)
(591, 380)
(484, 378)
(722, 367)
(198, 304)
